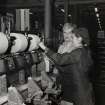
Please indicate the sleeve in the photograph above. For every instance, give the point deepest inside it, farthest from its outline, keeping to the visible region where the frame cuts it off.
(65, 58)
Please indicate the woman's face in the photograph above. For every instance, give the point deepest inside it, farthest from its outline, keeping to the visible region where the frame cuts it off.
(68, 35)
(76, 40)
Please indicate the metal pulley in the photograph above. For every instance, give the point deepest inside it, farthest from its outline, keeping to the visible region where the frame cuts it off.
(19, 61)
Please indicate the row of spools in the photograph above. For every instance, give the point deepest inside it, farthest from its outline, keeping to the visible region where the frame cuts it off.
(15, 66)
(18, 42)
(17, 52)
(25, 69)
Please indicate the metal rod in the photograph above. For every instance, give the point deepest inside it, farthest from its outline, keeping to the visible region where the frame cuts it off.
(48, 21)
(66, 7)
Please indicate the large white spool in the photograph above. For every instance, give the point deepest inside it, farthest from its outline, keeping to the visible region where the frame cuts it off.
(3, 43)
(34, 44)
(20, 44)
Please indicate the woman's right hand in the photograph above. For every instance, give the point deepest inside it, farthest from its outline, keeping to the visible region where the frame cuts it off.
(42, 46)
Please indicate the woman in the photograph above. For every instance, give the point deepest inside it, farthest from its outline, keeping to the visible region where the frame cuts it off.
(73, 67)
(64, 47)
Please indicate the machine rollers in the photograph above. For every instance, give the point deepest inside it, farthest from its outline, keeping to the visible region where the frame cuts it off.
(19, 60)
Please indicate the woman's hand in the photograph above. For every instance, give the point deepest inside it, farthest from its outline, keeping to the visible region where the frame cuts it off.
(42, 46)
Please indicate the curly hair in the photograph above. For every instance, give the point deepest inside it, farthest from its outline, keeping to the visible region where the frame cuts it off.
(69, 26)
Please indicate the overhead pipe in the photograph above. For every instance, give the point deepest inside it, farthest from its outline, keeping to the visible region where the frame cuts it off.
(74, 2)
(48, 22)
(75, 15)
(66, 8)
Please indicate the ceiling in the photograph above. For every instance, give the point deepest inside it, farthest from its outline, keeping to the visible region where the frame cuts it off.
(33, 3)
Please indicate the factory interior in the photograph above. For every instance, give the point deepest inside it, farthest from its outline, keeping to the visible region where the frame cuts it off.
(26, 77)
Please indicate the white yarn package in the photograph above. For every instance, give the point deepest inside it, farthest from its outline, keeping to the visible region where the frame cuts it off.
(34, 42)
(3, 43)
(20, 44)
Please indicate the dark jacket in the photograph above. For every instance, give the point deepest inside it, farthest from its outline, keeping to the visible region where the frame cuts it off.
(73, 68)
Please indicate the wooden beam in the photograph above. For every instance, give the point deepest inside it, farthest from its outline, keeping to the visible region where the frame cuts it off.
(74, 2)
(20, 3)
(33, 3)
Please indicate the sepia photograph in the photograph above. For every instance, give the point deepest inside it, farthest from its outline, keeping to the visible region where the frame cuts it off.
(52, 52)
